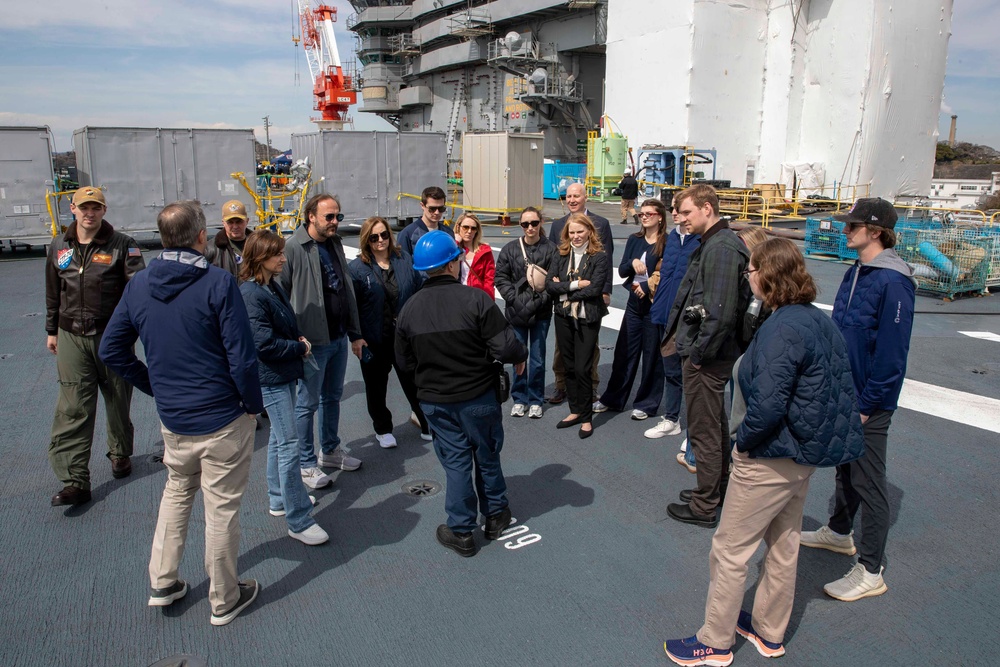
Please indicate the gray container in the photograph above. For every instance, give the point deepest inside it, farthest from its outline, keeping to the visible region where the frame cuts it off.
(502, 172)
(141, 170)
(369, 170)
(25, 177)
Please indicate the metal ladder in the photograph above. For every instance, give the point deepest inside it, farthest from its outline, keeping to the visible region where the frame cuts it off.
(456, 108)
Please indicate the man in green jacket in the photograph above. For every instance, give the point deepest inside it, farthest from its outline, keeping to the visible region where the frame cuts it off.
(85, 274)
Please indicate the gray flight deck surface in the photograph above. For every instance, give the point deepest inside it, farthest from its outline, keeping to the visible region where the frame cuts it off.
(609, 579)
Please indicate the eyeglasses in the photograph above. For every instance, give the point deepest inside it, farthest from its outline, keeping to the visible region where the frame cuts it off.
(648, 215)
(533, 223)
(374, 238)
(330, 217)
(436, 209)
(746, 274)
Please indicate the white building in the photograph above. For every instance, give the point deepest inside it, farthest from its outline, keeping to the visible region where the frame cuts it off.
(962, 193)
(853, 86)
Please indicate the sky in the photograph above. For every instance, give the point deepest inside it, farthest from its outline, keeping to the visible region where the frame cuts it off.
(228, 63)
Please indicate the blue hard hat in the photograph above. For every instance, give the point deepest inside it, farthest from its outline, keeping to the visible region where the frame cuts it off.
(434, 250)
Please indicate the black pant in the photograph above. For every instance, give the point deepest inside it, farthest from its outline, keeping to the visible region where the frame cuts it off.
(577, 341)
(863, 483)
(708, 431)
(376, 375)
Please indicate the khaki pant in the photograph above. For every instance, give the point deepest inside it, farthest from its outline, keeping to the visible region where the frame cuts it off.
(81, 374)
(628, 209)
(559, 370)
(218, 464)
(764, 502)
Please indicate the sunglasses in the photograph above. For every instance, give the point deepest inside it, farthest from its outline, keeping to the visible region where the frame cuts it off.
(374, 238)
(436, 209)
(533, 223)
(468, 228)
(330, 217)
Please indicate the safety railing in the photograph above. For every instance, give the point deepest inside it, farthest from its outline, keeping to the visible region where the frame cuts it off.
(276, 209)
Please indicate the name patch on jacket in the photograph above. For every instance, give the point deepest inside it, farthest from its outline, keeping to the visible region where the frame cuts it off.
(64, 257)
(101, 258)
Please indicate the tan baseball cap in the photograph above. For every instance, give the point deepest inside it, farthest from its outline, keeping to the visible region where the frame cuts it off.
(234, 208)
(89, 194)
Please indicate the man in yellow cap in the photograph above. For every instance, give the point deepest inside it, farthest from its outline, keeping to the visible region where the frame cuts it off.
(226, 249)
(85, 275)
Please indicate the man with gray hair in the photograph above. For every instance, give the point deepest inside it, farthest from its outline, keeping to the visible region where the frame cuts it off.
(201, 369)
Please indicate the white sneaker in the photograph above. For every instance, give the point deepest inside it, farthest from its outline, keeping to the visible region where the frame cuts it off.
(639, 415)
(517, 410)
(856, 584)
(599, 407)
(385, 441)
(281, 512)
(824, 538)
(426, 436)
(339, 459)
(312, 535)
(315, 478)
(535, 412)
(664, 428)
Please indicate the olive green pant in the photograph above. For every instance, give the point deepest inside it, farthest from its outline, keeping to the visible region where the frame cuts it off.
(81, 374)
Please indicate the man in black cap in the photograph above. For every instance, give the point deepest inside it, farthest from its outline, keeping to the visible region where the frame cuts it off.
(874, 312)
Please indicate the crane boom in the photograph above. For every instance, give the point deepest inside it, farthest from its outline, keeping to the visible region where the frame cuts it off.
(333, 88)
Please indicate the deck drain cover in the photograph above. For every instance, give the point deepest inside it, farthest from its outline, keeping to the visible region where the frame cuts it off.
(421, 488)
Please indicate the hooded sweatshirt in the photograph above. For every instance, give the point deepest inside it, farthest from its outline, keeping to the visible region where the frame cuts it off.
(874, 312)
(201, 364)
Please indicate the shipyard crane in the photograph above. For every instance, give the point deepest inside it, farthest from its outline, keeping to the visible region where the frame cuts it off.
(333, 87)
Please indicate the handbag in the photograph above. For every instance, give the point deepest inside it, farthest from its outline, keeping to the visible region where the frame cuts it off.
(502, 382)
(534, 274)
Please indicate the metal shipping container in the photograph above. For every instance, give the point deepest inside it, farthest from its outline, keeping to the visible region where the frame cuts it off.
(143, 169)
(25, 176)
(369, 170)
(502, 171)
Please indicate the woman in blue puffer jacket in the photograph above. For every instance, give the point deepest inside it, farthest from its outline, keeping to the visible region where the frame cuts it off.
(794, 410)
(280, 352)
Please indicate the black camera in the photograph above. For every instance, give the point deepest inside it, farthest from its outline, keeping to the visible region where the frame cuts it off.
(694, 314)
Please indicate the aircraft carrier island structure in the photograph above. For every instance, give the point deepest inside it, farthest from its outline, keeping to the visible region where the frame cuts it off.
(473, 66)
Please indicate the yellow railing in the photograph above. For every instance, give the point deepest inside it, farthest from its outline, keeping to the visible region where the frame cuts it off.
(52, 200)
(270, 207)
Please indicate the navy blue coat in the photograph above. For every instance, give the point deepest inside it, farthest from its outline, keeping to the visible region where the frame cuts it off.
(675, 264)
(275, 333)
(796, 380)
(371, 295)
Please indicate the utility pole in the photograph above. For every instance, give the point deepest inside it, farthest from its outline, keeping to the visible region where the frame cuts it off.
(267, 134)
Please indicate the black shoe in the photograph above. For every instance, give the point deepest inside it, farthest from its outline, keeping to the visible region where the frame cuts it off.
(557, 397)
(71, 495)
(636, 218)
(460, 543)
(586, 434)
(682, 512)
(248, 593)
(566, 423)
(121, 466)
(164, 597)
(685, 495)
(497, 523)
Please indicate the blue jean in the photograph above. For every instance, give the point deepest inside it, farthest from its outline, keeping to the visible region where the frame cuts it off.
(673, 386)
(468, 437)
(529, 387)
(321, 390)
(285, 489)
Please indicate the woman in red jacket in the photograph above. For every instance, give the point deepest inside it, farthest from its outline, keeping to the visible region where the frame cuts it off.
(478, 266)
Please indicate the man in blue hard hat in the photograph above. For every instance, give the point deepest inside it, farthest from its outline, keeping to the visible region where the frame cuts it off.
(450, 337)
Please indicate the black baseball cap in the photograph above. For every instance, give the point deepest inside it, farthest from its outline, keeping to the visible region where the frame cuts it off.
(872, 211)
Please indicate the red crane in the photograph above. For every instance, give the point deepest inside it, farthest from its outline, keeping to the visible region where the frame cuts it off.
(333, 88)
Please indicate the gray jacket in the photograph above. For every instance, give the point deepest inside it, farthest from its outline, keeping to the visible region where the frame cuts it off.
(302, 279)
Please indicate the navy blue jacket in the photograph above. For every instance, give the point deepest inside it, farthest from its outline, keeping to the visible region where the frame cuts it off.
(796, 380)
(675, 264)
(634, 247)
(874, 312)
(275, 334)
(201, 364)
(371, 294)
(407, 239)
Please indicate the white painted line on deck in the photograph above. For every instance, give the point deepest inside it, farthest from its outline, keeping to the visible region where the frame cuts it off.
(982, 335)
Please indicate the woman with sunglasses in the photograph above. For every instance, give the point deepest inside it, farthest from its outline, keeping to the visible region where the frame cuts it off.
(384, 279)
(478, 268)
(280, 351)
(638, 344)
(528, 309)
(576, 283)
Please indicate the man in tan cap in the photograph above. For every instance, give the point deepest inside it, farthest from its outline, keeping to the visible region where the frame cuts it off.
(226, 249)
(85, 274)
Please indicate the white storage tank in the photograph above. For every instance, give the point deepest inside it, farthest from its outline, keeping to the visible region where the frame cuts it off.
(25, 177)
(502, 171)
(141, 170)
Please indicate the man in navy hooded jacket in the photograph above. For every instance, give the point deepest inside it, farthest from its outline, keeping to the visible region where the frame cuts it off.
(201, 369)
(874, 312)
